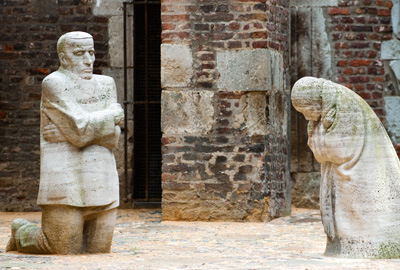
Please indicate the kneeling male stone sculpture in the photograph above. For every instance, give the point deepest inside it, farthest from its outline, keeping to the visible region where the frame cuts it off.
(360, 172)
(79, 187)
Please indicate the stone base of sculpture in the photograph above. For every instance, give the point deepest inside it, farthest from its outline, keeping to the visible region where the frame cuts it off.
(65, 230)
(358, 248)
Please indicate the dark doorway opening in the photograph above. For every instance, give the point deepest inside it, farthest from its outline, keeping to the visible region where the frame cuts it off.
(147, 101)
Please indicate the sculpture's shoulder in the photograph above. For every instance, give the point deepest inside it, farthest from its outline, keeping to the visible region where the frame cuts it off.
(54, 82)
(104, 79)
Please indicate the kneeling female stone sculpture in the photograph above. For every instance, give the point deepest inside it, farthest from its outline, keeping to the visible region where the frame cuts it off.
(360, 172)
(78, 190)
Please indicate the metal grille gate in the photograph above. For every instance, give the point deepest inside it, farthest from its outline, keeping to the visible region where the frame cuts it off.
(146, 98)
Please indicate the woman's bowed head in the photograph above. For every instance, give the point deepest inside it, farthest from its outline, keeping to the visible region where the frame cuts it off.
(306, 97)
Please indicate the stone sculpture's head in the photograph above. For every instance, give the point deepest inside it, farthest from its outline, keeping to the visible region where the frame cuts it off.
(307, 97)
(76, 53)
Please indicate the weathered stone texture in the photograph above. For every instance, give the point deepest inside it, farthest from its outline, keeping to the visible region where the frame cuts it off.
(187, 112)
(250, 114)
(250, 70)
(238, 169)
(390, 49)
(215, 178)
(213, 26)
(176, 65)
(28, 37)
(225, 174)
(392, 108)
(305, 192)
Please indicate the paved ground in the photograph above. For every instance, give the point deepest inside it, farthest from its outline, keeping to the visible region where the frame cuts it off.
(142, 241)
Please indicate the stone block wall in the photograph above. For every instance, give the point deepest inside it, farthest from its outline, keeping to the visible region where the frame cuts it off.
(29, 31)
(224, 110)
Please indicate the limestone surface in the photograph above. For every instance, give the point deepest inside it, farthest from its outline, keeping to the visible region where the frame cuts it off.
(250, 70)
(187, 112)
(176, 65)
(360, 171)
(392, 108)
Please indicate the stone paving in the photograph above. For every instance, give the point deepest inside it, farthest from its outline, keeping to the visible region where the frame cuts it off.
(142, 241)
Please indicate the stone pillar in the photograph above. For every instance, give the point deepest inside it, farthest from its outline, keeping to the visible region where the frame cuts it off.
(224, 110)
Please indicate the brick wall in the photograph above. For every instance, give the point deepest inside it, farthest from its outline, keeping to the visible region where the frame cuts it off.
(357, 30)
(224, 150)
(29, 31)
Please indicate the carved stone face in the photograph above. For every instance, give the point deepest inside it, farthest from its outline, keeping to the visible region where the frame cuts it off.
(306, 98)
(311, 112)
(78, 57)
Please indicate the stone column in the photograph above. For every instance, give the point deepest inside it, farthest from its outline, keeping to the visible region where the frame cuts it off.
(224, 110)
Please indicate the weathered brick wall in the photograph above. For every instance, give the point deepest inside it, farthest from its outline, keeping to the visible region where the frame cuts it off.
(357, 31)
(29, 31)
(340, 41)
(224, 109)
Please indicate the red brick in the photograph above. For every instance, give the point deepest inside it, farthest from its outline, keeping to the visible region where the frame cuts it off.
(372, 71)
(365, 95)
(377, 95)
(259, 34)
(339, 11)
(384, 12)
(350, 86)
(342, 63)
(260, 44)
(383, 29)
(388, 4)
(360, 62)
(234, 26)
(341, 45)
(367, 2)
(359, 79)
(361, 10)
(234, 44)
(377, 46)
(359, 87)
(378, 79)
(337, 36)
(220, 17)
(167, 140)
(222, 36)
(175, 18)
(167, 177)
(371, 54)
(168, 26)
(255, 16)
(348, 71)
(346, 20)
